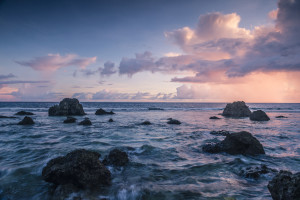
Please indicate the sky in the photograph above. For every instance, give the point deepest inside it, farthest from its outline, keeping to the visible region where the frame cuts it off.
(158, 50)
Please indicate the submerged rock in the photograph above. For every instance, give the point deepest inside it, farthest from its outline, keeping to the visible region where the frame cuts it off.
(281, 116)
(26, 121)
(67, 107)
(155, 108)
(70, 120)
(259, 115)
(24, 113)
(236, 143)
(285, 186)
(6, 117)
(145, 123)
(173, 121)
(255, 172)
(236, 109)
(222, 133)
(116, 157)
(86, 122)
(110, 120)
(103, 112)
(214, 117)
(81, 168)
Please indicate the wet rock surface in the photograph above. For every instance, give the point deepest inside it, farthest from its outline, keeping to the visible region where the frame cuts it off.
(220, 133)
(256, 172)
(214, 117)
(26, 121)
(24, 113)
(146, 123)
(116, 157)
(110, 120)
(236, 109)
(285, 186)
(259, 115)
(70, 120)
(6, 117)
(66, 107)
(236, 143)
(85, 122)
(173, 121)
(103, 112)
(280, 116)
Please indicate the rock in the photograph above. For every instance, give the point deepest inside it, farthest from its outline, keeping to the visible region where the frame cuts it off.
(280, 116)
(259, 115)
(173, 121)
(214, 117)
(110, 120)
(67, 107)
(155, 108)
(26, 121)
(6, 117)
(24, 113)
(116, 157)
(236, 109)
(103, 112)
(236, 143)
(222, 133)
(81, 168)
(86, 122)
(255, 172)
(63, 192)
(70, 120)
(285, 186)
(145, 123)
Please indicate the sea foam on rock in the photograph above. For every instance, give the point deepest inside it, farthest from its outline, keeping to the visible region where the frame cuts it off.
(236, 143)
(236, 109)
(66, 107)
(259, 115)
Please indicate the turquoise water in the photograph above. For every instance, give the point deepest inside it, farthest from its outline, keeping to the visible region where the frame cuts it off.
(166, 161)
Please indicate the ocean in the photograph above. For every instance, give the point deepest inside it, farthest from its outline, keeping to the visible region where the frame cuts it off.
(166, 161)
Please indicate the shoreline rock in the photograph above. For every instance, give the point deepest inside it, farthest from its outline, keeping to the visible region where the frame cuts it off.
(26, 121)
(67, 107)
(100, 111)
(236, 109)
(6, 117)
(280, 116)
(110, 120)
(70, 120)
(214, 117)
(24, 113)
(173, 121)
(146, 123)
(256, 172)
(220, 133)
(116, 157)
(86, 122)
(259, 115)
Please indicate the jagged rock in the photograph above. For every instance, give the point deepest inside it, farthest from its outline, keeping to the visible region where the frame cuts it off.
(236, 143)
(110, 120)
(281, 116)
(145, 123)
(116, 157)
(26, 121)
(6, 117)
(103, 112)
(255, 172)
(285, 186)
(81, 168)
(236, 109)
(70, 120)
(67, 107)
(214, 117)
(222, 133)
(86, 122)
(24, 113)
(259, 115)
(173, 121)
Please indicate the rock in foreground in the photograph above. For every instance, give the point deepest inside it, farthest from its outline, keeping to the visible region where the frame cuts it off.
(116, 157)
(285, 186)
(236, 109)
(236, 143)
(259, 115)
(173, 121)
(255, 172)
(81, 168)
(66, 107)
(26, 121)
(24, 113)
(103, 112)
(85, 122)
(70, 120)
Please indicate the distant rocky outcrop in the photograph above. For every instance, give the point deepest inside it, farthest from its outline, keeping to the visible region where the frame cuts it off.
(70, 120)
(6, 117)
(24, 113)
(66, 107)
(86, 122)
(214, 117)
(103, 112)
(26, 121)
(281, 116)
(236, 109)
(80, 168)
(153, 108)
(173, 121)
(110, 120)
(257, 171)
(285, 186)
(116, 157)
(259, 115)
(236, 143)
(145, 123)
(222, 133)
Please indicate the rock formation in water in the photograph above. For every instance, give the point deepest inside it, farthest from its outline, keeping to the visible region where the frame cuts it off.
(116, 157)
(214, 117)
(24, 113)
(281, 116)
(103, 112)
(70, 120)
(110, 120)
(66, 107)
(85, 122)
(222, 133)
(259, 115)
(256, 172)
(236, 109)
(173, 121)
(26, 121)
(145, 123)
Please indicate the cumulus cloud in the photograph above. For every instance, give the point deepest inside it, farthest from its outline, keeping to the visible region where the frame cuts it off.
(109, 69)
(8, 76)
(53, 62)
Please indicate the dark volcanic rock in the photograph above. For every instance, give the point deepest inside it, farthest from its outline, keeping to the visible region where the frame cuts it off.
(66, 107)
(110, 120)
(70, 120)
(116, 157)
(236, 109)
(103, 112)
(214, 117)
(86, 122)
(259, 115)
(145, 123)
(285, 186)
(24, 113)
(6, 117)
(236, 143)
(81, 168)
(26, 121)
(255, 172)
(222, 133)
(173, 121)
(280, 116)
